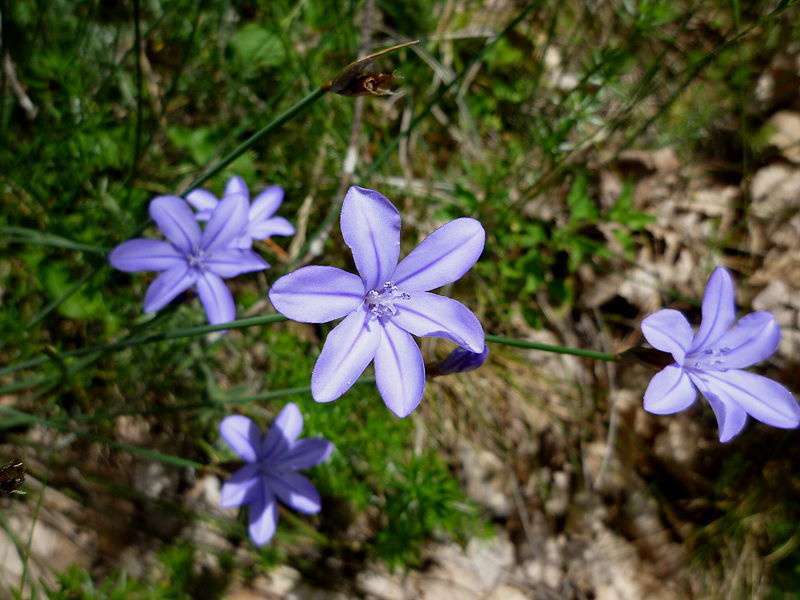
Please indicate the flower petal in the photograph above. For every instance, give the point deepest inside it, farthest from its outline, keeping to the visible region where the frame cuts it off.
(317, 294)
(227, 222)
(754, 338)
(145, 255)
(763, 399)
(233, 261)
(176, 221)
(442, 257)
(167, 286)
(349, 348)
(399, 370)
(266, 203)
(238, 489)
(242, 435)
(669, 331)
(296, 492)
(203, 201)
(243, 243)
(236, 186)
(719, 309)
(426, 314)
(216, 298)
(371, 228)
(263, 517)
(731, 418)
(261, 230)
(283, 432)
(669, 391)
(306, 453)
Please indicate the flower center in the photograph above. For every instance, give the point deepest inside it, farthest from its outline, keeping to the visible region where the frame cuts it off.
(197, 259)
(381, 301)
(710, 359)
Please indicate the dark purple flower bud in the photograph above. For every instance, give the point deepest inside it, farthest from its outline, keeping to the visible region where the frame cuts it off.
(460, 360)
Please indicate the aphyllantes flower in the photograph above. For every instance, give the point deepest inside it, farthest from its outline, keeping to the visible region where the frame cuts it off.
(388, 303)
(191, 258)
(261, 223)
(711, 360)
(270, 473)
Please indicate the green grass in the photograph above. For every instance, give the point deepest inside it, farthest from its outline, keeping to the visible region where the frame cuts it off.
(497, 139)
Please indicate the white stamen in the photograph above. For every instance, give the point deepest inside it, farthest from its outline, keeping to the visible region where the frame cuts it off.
(197, 259)
(711, 359)
(381, 301)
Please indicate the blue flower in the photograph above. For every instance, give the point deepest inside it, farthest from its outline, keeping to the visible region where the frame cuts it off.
(191, 258)
(261, 222)
(711, 361)
(270, 473)
(386, 304)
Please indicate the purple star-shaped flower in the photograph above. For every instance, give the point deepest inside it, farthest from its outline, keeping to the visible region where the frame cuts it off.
(261, 223)
(711, 360)
(388, 303)
(191, 258)
(272, 460)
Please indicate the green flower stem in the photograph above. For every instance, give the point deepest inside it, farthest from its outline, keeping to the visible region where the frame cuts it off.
(593, 354)
(31, 236)
(149, 338)
(444, 89)
(65, 373)
(218, 403)
(16, 386)
(277, 122)
(272, 394)
(380, 159)
(175, 461)
(243, 324)
(49, 239)
(17, 417)
(174, 334)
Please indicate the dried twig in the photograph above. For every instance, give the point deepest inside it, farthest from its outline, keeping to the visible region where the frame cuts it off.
(613, 419)
(12, 476)
(24, 100)
(352, 154)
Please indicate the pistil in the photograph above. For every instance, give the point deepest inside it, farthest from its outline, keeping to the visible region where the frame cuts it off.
(711, 359)
(381, 302)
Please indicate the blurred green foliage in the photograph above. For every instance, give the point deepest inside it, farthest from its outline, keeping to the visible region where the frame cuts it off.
(175, 579)
(519, 134)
